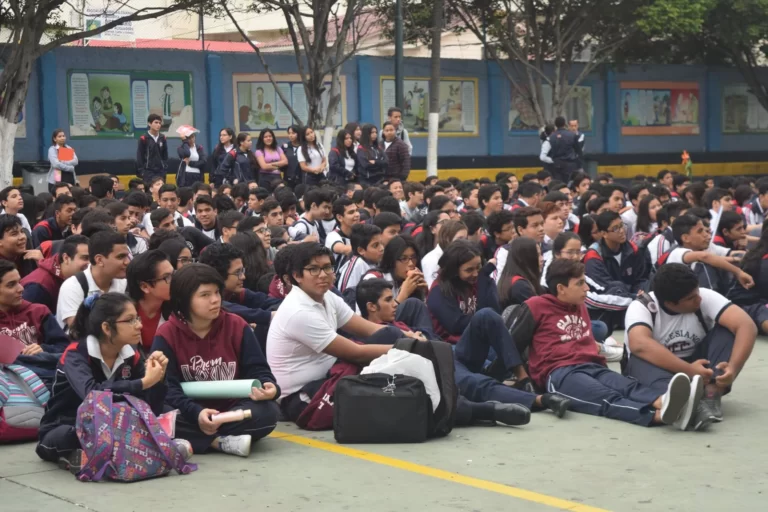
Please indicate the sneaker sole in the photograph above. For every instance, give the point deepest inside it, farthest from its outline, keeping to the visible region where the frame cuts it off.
(703, 424)
(697, 391)
(679, 389)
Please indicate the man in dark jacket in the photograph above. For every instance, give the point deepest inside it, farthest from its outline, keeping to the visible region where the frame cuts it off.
(152, 153)
(615, 266)
(56, 227)
(566, 151)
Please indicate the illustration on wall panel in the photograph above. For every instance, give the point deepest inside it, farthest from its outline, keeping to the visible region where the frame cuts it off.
(458, 105)
(742, 112)
(522, 117)
(117, 103)
(258, 105)
(659, 108)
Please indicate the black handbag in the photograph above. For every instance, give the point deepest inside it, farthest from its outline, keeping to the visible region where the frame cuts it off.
(381, 408)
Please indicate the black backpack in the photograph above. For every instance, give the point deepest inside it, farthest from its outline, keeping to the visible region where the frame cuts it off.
(441, 355)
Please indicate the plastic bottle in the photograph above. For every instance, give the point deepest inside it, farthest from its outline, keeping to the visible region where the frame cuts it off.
(228, 417)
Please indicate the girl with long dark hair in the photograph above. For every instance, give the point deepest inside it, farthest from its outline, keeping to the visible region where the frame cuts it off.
(270, 159)
(106, 357)
(312, 159)
(372, 161)
(450, 230)
(356, 131)
(646, 225)
(238, 164)
(430, 227)
(62, 168)
(342, 160)
(401, 266)
(254, 257)
(520, 279)
(205, 343)
(225, 145)
(292, 170)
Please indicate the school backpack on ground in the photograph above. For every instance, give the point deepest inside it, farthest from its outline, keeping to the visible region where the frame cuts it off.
(381, 408)
(318, 415)
(124, 441)
(22, 403)
(441, 355)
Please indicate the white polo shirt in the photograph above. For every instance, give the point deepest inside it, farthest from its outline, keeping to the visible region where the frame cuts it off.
(71, 294)
(94, 350)
(147, 222)
(301, 329)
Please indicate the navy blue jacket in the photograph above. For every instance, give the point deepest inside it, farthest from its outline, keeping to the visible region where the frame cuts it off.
(235, 166)
(253, 307)
(46, 229)
(565, 146)
(184, 179)
(152, 156)
(626, 278)
(77, 374)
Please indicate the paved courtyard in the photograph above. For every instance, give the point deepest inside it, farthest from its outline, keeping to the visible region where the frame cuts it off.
(580, 463)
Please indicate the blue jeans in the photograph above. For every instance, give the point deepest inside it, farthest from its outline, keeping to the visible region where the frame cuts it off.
(599, 330)
(486, 330)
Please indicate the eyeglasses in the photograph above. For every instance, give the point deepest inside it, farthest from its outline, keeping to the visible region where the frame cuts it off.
(261, 231)
(315, 271)
(133, 322)
(166, 278)
(185, 261)
(617, 229)
(239, 273)
(406, 259)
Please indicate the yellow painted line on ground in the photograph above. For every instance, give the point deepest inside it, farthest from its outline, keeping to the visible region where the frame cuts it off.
(440, 474)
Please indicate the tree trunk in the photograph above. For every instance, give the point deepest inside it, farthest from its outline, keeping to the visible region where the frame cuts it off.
(15, 82)
(334, 98)
(7, 139)
(434, 89)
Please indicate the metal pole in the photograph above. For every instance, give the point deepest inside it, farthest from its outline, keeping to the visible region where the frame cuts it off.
(399, 74)
(202, 29)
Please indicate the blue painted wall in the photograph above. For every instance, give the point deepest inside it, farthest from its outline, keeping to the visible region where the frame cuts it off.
(47, 104)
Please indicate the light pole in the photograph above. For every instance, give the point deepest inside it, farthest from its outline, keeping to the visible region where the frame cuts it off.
(399, 75)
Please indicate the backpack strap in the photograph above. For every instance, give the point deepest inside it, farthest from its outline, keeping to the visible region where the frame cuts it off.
(652, 308)
(80, 276)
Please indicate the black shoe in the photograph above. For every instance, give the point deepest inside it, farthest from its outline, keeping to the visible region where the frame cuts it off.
(702, 418)
(74, 463)
(525, 385)
(511, 414)
(713, 401)
(556, 403)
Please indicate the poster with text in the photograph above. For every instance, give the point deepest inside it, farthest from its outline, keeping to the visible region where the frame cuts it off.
(522, 116)
(258, 104)
(458, 105)
(116, 104)
(21, 118)
(659, 108)
(742, 112)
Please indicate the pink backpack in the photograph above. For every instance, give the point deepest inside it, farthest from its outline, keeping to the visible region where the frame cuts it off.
(124, 441)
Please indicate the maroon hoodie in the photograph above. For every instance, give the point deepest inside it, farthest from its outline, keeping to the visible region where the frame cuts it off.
(43, 284)
(229, 351)
(563, 337)
(33, 323)
(277, 288)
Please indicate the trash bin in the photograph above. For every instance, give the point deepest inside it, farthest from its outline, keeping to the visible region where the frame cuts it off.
(35, 174)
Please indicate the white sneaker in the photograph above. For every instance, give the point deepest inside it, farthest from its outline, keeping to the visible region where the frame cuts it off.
(184, 447)
(697, 391)
(236, 445)
(674, 400)
(611, 353)
(613, 342)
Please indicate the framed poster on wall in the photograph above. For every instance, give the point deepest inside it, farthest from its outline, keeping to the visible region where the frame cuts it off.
(116, 104)
(459, 105)
(258, 106)
(522, 117)
(742, 112)
(659, 108)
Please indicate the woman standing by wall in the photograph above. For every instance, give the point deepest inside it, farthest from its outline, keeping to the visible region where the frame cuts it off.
(398, 157)
(371, 160)
(312, 158)
(270, 158)
(63, 160)
(342, 160)
(292, 170)
(225, 145)
(192, 163)
(356, 131)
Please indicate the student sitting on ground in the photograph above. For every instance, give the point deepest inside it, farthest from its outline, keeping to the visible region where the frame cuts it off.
(693, 240)
(303, 342)
(646, 225)
(553, 223)
(528, 222)
(107, 327)
(43, 284)
(482, 397)
(682, 328)
(521, 276)
(367, 251)
(390, 225)
(563, 358)
(401, 267)
(13, 245)
(501, 231)
(616, 269)
(281, 281)
(338, 241)
(149, 285)
(450, 230)
(317, 204)
(109, 257)
(56, 227)
(463, 287)
(731, 232)
(636, 194)
(665, 239)
(204, 343)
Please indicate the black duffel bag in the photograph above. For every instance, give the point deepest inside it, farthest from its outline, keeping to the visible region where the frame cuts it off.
(381, 408)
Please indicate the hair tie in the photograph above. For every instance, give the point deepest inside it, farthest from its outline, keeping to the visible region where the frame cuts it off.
(88, 303)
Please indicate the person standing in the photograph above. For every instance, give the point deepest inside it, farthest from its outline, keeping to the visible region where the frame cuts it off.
(152, 153)
(270, 158)
(398, 153)
(395, 116)
(63, 160)
(566, 151)
(192, 165)
(311, 158)
(292, 171)
(342, 160)
(371, 160)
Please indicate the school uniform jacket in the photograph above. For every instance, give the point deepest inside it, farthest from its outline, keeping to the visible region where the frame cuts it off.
(183, 175)
(152, 156)
(371, 172)
(616, 284)
(43, 284)
(45, 230)
(229, 351)
(235, 166)
(753, 212)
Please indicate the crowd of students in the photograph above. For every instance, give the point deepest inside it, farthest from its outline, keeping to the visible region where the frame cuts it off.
(279, 276)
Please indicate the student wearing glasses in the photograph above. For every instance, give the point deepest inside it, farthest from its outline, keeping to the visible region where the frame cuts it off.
(149, 285)
(401, 267)
(616, 269)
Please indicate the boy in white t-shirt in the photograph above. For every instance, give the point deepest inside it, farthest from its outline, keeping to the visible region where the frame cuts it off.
(338, 241)
(682, 328)
(318, 206)
(367, 251)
